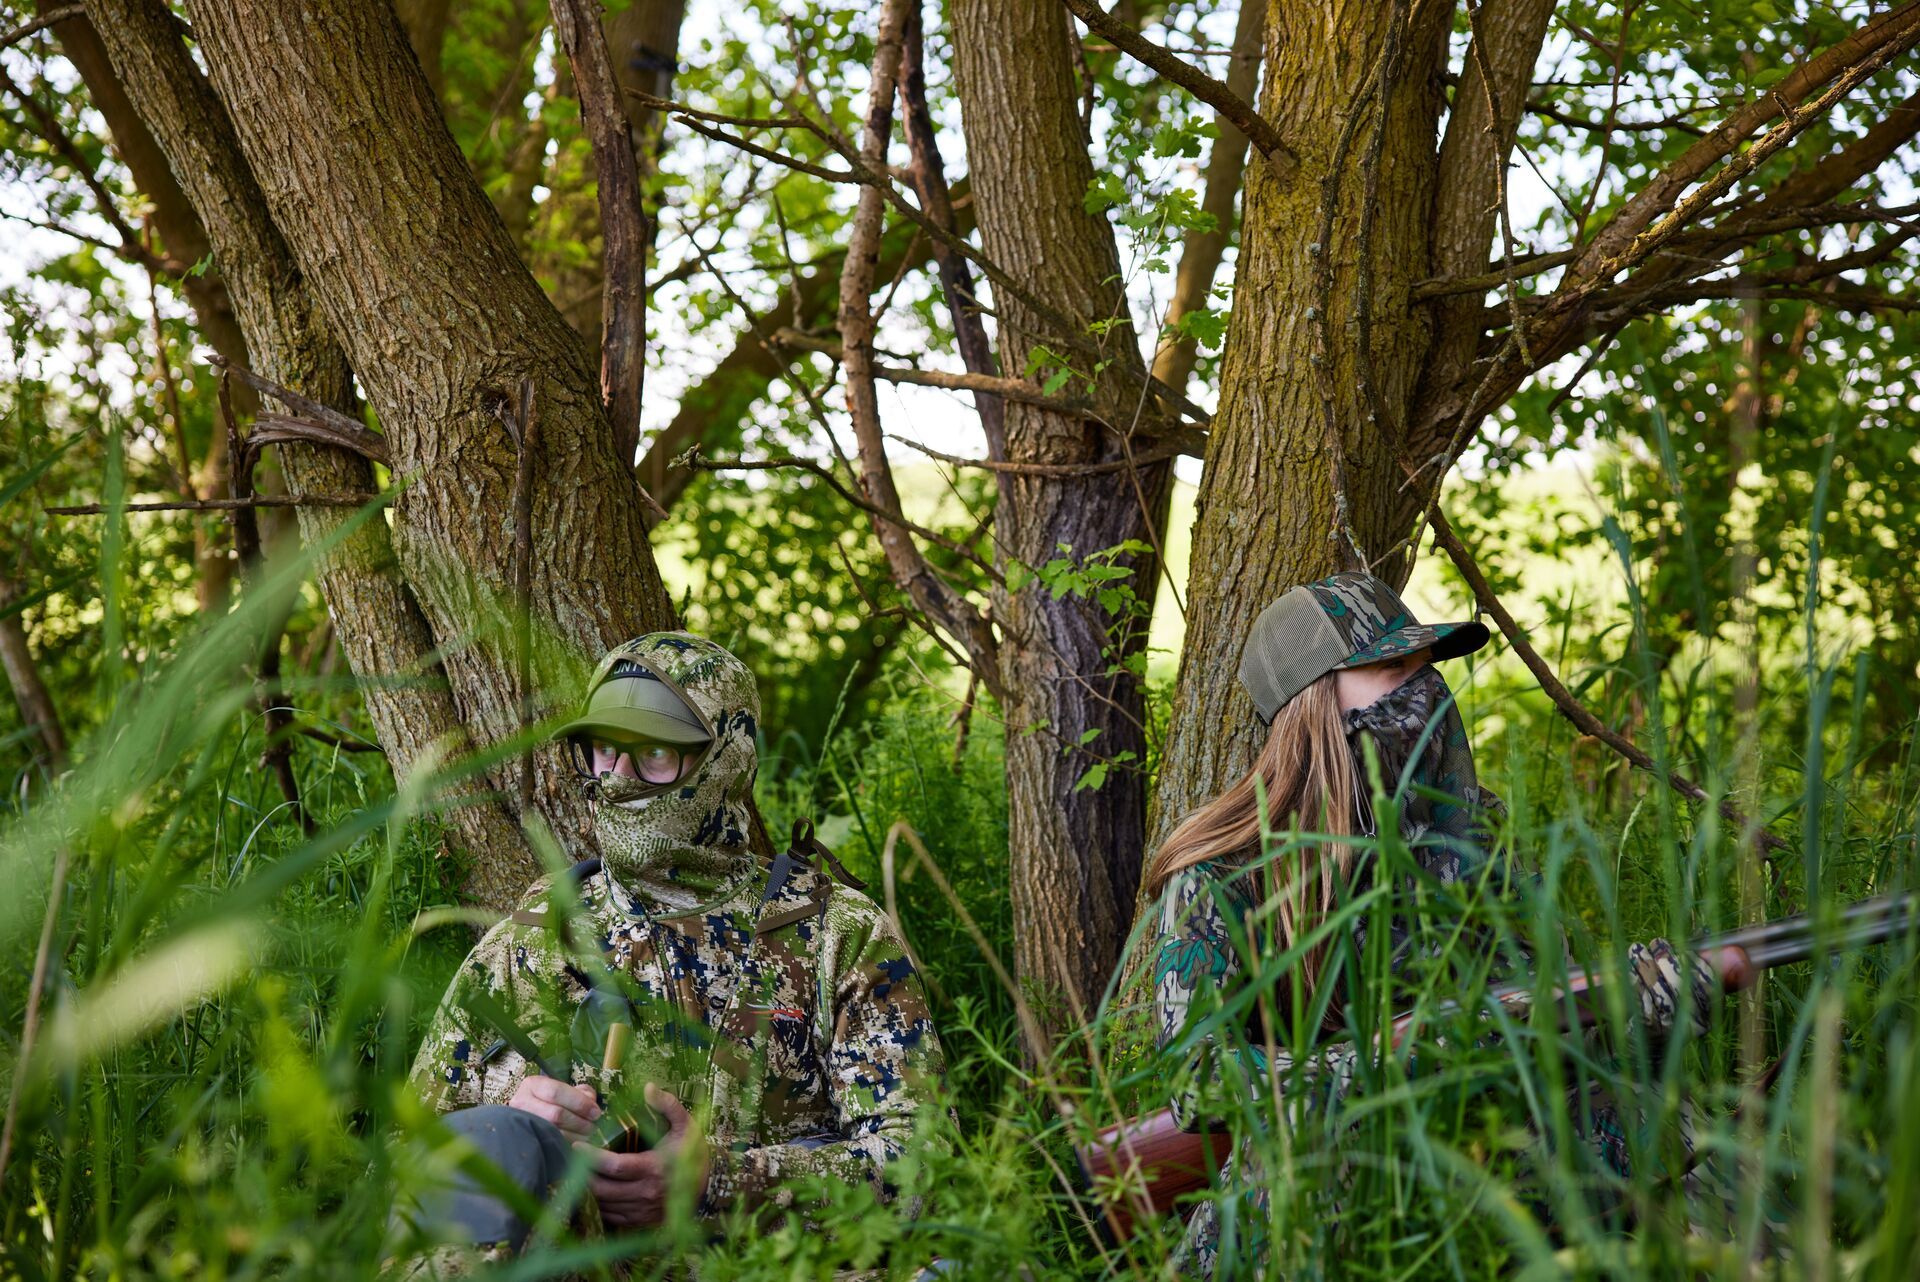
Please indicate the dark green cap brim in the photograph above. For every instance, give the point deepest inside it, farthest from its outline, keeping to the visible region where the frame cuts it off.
(1447, 640)
(638, 707)
(631, 723)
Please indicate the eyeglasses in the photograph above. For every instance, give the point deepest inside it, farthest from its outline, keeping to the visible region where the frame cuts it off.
(645, 760)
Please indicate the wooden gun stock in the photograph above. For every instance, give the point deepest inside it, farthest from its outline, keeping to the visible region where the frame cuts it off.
(1154, 1162)
(1140, 1168)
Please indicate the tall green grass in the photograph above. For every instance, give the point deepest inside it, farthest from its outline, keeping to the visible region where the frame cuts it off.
(217, 1085)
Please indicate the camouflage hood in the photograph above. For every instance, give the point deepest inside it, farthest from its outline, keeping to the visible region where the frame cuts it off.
(687, 846)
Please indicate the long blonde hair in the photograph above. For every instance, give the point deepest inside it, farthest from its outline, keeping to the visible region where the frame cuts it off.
(1305, 771)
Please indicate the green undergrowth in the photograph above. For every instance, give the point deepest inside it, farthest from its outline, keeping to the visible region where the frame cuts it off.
(217, 1083)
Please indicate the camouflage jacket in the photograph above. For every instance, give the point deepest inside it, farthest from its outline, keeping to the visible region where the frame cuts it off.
(794, 1023)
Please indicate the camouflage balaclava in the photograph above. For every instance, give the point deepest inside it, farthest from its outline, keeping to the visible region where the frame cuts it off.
(686, 846)
(1443, 833)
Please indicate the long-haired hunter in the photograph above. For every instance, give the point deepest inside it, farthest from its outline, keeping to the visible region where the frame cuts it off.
(1333, 667)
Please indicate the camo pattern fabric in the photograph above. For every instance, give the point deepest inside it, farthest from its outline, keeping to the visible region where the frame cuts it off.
(788, 1016)
(1447, 820)
(1374, 622)
(806, 1049)
(679, 848)
(1196, 967)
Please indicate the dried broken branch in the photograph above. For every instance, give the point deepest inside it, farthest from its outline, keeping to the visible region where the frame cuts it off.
(315, 422)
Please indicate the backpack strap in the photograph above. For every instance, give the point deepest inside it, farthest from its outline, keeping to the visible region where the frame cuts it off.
(805, 852)
(815, 850)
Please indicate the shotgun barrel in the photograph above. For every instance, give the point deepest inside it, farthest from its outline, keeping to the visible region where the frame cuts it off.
(1142, 1167)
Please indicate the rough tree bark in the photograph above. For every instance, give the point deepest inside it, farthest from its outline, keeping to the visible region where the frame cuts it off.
(382, 631)
(1075, 853)
(1266, 514)
(440, 319)
(381, 220)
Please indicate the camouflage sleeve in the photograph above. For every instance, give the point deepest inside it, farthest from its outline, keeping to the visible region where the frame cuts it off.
(463, 1061)
(1196, 956)
(1655, 971)
(879, 1051)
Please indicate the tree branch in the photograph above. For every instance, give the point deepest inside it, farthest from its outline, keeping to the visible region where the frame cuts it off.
(218, 505)
(1193, 443)
(321, 422)
(785, 463)
(41, 23)
(1570, 707)
(623, 224)
(956, 279)
(910, 571)
(1232, 107)
(1633, 232)
(49, 129)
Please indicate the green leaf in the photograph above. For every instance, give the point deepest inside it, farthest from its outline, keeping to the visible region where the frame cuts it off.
(1095, 776)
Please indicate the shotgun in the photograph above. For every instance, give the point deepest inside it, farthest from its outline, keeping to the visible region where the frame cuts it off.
(1156, 1163)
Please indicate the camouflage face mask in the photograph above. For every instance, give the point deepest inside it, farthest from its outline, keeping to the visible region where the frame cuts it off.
(684, 845)
(1442, 831)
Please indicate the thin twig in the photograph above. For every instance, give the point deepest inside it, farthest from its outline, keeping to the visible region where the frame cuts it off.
(219, 505)
(1193, 444)
(692, 459)
(277, 755)
(30, 1028)
(41, 23)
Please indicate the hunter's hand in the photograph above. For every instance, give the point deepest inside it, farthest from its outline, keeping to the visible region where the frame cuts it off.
(571, 1108)
(632, 1188)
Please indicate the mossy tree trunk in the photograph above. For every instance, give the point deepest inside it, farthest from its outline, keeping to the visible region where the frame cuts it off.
(371, 246)
(1330, 356)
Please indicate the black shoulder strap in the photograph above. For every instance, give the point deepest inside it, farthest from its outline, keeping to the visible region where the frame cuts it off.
(815, 851)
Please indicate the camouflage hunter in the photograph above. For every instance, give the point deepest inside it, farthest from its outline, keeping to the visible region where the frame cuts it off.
(783, 1009)
(1448, 822)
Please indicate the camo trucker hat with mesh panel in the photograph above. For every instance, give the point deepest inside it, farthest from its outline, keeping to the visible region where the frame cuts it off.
(1343, 621)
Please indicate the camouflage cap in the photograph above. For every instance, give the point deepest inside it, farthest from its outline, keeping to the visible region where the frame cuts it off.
(1342, 621)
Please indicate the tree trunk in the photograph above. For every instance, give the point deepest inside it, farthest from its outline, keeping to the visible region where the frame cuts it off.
(1074, 852)
(425, 22)
(644, 39)
(386, 637)
(29, 691)
(183, 241)
(440, 319)
(1266, 513)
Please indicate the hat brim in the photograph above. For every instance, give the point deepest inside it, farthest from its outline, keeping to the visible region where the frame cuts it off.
(633, 723)
(1446, 640)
